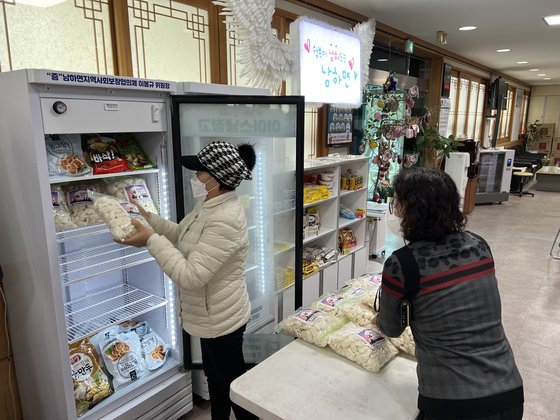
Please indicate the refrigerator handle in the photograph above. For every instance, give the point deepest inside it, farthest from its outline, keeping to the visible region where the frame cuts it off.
(163, 151)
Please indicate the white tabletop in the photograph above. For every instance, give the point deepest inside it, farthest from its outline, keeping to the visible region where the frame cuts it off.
(302, 381)
(549, 170)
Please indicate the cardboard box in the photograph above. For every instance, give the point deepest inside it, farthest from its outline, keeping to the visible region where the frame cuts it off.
(555, 145)
(554, 158)
(548, 131)
(544, 145)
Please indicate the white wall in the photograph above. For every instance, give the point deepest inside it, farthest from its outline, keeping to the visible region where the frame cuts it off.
(545, 102)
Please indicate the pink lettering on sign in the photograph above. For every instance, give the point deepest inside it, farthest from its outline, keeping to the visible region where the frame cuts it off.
(307, 45)
(351, 64)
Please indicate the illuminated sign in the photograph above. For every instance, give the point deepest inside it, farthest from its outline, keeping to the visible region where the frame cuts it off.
(327, 66)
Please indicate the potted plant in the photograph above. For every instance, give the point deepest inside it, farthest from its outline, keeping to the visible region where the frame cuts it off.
(533, 136)
(432, 145)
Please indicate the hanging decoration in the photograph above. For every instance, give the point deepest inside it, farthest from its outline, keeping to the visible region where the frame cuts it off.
(265, 60)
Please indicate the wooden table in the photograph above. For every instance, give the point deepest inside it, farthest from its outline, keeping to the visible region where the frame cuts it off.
(302, 381)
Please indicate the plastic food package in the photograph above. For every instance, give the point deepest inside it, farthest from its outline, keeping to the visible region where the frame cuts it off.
(367, 347)
(346, 241)
(327, 303)
(103, 154)
(131, 151)
(311, 325)
(154, 350)
(405, 342)
(61, 212)
(122, 355)
(81, 204)
(345, 212)
(64, 155)
(117, 214)
(131, 188)
(91, 384)
(357, 312)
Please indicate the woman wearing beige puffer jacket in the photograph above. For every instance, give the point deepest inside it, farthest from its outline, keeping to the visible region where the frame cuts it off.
(205, 255)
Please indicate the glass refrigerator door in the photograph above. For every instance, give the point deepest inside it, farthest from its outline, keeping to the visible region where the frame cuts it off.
(274, 126)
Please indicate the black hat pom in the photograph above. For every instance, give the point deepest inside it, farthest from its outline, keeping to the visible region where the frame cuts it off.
(247, 153)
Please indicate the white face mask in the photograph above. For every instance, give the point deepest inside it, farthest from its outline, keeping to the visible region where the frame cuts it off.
(199, 188)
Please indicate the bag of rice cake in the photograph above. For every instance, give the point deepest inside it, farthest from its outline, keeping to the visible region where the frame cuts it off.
(81, 204)
(327, 303)
(357, 312)
(91, 384)
(405, 342)
(310, 325)
(61, 212)
(132, 188)
(117, 214)
(365, 346)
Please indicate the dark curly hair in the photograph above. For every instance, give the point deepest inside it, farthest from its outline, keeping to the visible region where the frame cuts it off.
(428, 202)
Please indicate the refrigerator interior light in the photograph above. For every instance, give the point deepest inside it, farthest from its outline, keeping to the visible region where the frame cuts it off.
(260, 206)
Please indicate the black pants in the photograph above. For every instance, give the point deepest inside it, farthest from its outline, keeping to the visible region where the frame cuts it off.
(222, 359)
(511, 414)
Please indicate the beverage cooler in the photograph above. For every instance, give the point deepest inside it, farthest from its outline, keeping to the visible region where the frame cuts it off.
(68, 284)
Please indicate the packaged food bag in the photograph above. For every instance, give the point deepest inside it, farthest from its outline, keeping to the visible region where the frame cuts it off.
(81, 204)
(154, 350)
(365, 346)
(132, 188)
(310, 325)
(91, 384)
(327, 303)
(405, 342)
(139, 327)
(131, 151)
(61, 212)
(117, 214)
(103, 154)
(64, 155)
(357, 312)
(122, 355)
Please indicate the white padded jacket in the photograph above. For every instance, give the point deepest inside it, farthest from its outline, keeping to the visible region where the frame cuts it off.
(205, 255)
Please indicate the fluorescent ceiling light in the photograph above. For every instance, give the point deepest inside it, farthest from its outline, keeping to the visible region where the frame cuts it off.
(534, 69)
(467, 28)
(41, 3)
(522, 62)
(552, 20)
(546, 78)
(503, 50)
(541, 74)
(382, 59)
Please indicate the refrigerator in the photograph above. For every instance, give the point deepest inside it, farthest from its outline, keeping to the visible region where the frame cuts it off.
(65, 285)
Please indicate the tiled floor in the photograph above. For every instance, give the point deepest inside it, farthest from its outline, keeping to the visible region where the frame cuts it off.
(520, 232)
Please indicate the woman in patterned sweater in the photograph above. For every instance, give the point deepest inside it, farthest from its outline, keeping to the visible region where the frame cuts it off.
(466, 367)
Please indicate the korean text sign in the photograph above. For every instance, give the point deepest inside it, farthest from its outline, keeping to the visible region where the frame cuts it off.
(329, 64)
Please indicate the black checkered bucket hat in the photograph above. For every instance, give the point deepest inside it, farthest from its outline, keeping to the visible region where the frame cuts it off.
(222, 160)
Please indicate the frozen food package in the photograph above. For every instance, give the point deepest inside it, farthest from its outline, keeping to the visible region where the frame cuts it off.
(81, 204)
(327, 303)
(91, 384)
(139, 327)
(310, 325)
(132, 188)
(61, 212)
(357, 312)
(103, 154)
(405, 342)
(154, 350)
(131, 151)
(64, 155)
(117, 214)
(122, 355)
(365, 346)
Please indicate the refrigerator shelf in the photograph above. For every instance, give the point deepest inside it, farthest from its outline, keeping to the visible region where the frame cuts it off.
(93, 313)
(91, 262)
(59, 179)
(82, 232)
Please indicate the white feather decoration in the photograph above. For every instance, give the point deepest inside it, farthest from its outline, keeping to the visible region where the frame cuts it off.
(366, 33)
(265, 60)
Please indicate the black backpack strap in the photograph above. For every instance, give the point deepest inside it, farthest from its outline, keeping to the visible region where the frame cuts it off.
(411, 272)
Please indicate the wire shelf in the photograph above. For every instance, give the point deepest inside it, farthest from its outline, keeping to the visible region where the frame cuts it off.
(80, 233)
(93, 313)
(91, 262)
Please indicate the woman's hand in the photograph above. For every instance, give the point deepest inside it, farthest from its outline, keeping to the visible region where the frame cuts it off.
(143, 232)
(142, 210)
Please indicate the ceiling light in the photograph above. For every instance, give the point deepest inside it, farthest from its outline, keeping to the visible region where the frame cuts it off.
(382, 59)
(522, 62)
(552, 20)
(41, 3)
(534, 69)
(546, 78)
(467, 28)
(541, 74)
(504, 50)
